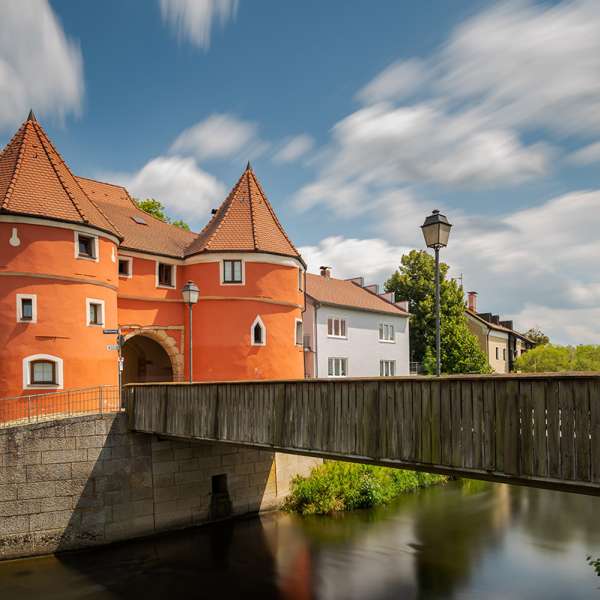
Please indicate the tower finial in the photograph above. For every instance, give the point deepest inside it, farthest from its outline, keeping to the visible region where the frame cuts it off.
(31, 116)
(248, 166)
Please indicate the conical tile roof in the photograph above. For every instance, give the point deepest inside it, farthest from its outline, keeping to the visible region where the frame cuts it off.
(245, 222)
(35, 181)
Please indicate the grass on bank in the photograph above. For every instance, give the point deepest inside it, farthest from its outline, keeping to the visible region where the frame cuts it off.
(338, 486)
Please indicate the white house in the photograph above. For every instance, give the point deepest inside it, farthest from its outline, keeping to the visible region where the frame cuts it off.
(352, 331)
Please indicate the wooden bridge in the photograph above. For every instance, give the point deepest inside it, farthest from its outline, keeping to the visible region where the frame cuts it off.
(537, 430)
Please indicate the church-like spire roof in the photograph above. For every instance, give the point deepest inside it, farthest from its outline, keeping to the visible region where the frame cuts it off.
(35, 181)
(245, 222)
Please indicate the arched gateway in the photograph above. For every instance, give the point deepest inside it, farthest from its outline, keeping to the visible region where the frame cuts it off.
(146, 359)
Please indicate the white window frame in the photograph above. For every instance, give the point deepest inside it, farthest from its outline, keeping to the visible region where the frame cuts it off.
(173, 277)
(342, 359)
(334, 318)
(301, 279)
(301, 342)
(89, 301)
(128, 259)
(27, 385)
(96, 256)
(264, 330)
(391, 368)
(33, 298)
(222, 268)
(382, 327)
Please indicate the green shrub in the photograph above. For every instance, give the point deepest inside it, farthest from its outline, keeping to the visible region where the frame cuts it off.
(336, 486)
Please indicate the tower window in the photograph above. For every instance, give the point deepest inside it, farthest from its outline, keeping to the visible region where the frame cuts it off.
(43, 372)
(26, 308)
(86, 246)
(258, 333)
(232, 271)
(95, 311)
(299, 333)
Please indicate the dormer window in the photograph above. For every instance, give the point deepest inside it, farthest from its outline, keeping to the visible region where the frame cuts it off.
(86, 246)
(258, 333)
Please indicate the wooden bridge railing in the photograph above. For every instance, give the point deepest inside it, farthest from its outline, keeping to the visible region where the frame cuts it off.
(539, 430)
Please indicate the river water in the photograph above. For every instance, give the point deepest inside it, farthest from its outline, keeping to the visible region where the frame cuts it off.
(461, 540)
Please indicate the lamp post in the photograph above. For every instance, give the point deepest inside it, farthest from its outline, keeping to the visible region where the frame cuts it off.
(436, 231)
(190, 293)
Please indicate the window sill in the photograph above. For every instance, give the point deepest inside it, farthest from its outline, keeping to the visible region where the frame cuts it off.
(26, 321)
(165, 287)
(337, 337)
(387, 341)
(233, 283)
(43, 386)
(90, 258)
(95, 324)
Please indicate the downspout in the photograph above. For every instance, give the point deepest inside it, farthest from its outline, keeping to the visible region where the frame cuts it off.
(302, 314)
(316, 337)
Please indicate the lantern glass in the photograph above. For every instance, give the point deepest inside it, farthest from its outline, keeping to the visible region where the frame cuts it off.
(436, 230)
(190, 293)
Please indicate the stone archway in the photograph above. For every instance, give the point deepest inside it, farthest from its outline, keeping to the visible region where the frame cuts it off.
(151, 355)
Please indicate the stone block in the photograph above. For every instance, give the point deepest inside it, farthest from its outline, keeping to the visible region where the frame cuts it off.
(95, 517)
(192, 464)
(173, 520)
(52, 431)
(165, 455)
(158, 444)
(165, 507)
(90, 441)
(8, 492)
(56, 503)
(96, 454)
(229, 460)
(90, 501)
(182, 453)
(164, 480)
(130, 528)
(117, 439)
(52, 472)
(165, 494)
(63, 456)
(54, 520)
(84, 470)
(117, 465)
(38, 489)
(13, 508)
(100, 427)
(244, 468)
(141, 493)
(81, 428)
(18, 524)
(116, 497)
(166, 467)
(73, 487)
(190, 476)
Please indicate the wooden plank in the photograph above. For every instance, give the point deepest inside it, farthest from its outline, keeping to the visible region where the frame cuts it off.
(477, 399)
(581, 400)
(540, 440)
(416, 390)
(500, 405)
(407, 422)
(567, 429)
(456, 426)
(398, 419)
(553, 428)
(512, 444)
(526, 426)
(436, 445)
(425, 423)
(352, 418)
(489, 426)
(595, 429)
(382, 418)
(466, 400)
(446, 422)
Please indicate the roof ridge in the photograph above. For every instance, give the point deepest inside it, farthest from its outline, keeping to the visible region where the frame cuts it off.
(13, 179)
(270, 209)
(99, 181)
(252, 219)
(43, 140)
(377, 296)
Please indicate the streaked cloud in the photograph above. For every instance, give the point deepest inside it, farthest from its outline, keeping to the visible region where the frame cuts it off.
(587, 155)
(40, 66)
(399, 80)
(294, 148)
(194, 19)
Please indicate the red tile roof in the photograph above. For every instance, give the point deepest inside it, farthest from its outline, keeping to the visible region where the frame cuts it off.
(155, 236)
(35, 181)
(245, 222)
(339, 292)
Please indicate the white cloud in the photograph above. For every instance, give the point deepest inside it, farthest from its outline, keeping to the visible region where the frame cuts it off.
(294, 148)
(395, 82)
(187, 191)
(40, 67)
(372, 258)
(194, 19)
(527, 65)
(586, 156)
(219, 136)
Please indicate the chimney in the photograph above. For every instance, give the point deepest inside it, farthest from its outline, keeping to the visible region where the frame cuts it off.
(496, 319)
(507, 324)
(325, 271)
(472, 301)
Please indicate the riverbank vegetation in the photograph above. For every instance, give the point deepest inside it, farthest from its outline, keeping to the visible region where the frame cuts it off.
(338, 486)
(553, 358)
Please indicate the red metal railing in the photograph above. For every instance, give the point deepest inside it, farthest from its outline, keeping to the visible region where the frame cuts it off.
(56, 405)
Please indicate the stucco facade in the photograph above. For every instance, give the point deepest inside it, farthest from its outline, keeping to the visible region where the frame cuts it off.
(78, 256)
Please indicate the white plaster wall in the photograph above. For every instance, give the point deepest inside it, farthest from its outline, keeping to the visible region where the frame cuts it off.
(362, 347)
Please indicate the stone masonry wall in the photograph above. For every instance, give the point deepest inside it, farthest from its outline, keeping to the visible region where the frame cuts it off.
(87, 481)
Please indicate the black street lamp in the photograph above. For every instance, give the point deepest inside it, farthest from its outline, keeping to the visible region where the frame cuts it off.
(190, 293)
(436, 231)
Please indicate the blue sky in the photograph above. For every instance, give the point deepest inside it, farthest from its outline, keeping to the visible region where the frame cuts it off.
(359, 118)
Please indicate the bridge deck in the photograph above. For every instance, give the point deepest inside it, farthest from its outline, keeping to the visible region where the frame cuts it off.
(524, 429)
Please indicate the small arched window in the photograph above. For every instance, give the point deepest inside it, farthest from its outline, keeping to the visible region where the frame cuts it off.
(258, 333)
(42, 370)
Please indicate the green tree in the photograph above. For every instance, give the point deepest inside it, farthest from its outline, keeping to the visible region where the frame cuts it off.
(157, 209)
(535, 334)
(415, 281)
(550, 358)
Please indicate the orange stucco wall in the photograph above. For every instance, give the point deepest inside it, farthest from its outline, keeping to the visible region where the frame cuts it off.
(222, 318)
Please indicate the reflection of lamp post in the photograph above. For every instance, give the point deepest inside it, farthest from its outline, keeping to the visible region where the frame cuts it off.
(190, 293)
(436, 231)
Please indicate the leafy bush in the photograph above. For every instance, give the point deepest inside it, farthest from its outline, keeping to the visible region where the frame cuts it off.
(336, 486)
(595, 564)
(552, 358)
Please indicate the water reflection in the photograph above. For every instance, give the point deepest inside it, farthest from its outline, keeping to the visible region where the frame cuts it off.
(460, 540)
